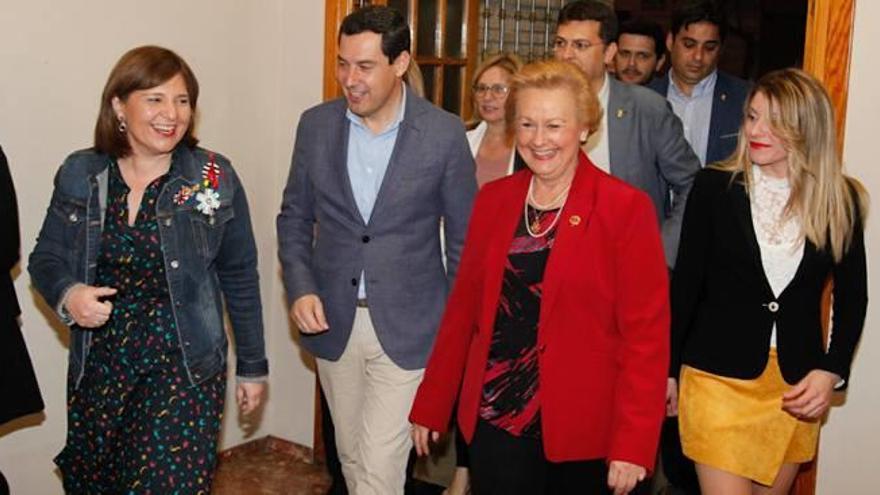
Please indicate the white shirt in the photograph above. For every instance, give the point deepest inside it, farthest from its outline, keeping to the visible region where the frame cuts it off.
(779, 238)
(596, 146)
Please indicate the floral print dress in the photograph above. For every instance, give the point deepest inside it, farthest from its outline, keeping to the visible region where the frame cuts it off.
(135, 423)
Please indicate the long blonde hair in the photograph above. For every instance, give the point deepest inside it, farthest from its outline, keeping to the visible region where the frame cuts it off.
(826, 201)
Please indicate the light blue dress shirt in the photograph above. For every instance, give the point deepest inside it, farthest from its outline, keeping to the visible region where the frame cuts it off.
(367, 161)
(695, 112)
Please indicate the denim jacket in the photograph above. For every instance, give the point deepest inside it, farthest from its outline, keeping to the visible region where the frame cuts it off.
(206, 256)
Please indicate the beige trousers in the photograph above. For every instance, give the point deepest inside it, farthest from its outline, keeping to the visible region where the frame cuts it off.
(370, 398)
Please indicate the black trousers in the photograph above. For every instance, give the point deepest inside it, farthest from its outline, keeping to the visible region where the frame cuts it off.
(503, 464)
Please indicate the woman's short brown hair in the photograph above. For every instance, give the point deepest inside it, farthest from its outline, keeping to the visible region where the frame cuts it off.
(143, 67)
(555, 74)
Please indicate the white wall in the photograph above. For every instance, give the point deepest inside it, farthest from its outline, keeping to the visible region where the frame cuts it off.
(850, 445)
(259, 66)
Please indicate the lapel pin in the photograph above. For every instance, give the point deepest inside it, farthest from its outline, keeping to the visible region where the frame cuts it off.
(620, 113)
(574, 220)
(723, 96)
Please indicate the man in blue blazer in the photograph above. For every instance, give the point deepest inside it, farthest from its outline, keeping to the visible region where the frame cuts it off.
(639, 139)
(372, 176)
(708, 101)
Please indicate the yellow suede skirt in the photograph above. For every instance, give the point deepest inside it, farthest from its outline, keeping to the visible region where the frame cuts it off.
(739, 426)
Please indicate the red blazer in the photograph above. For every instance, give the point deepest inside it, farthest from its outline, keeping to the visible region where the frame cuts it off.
(603, 333)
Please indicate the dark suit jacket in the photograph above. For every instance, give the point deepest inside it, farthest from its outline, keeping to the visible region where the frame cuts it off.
(18, 385)
(602, 333)
(728, 101)
(723, 308)
(647, 150)
(324, 243)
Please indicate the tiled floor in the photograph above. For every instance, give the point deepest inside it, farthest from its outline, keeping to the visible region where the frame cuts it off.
(269, 466)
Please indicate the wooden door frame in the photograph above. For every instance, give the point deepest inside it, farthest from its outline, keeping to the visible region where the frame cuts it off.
(828, 50)
(827, 54)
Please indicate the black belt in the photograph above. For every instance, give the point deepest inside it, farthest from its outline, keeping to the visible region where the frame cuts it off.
(362, 303)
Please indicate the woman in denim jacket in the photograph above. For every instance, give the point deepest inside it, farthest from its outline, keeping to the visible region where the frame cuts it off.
(145, 239)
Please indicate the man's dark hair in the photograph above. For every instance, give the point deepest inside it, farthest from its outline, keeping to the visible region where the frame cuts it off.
(644, 27)
(591, 10)
(693, 11)
(386, 21)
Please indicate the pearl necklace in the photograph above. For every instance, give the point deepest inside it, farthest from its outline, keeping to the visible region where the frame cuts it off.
(531, 230)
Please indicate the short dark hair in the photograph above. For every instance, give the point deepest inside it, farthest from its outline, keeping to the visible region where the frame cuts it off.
(692, 11)
(143, 67)
(591, 10)
(386, 21)
(644, 27)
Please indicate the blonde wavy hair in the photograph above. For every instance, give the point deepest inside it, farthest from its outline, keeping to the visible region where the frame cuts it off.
(556, 74)
(826, 201)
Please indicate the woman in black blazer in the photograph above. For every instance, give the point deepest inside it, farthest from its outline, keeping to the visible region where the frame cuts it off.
(763, 232)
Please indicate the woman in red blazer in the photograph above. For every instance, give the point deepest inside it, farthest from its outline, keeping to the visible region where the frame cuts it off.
(555, 337)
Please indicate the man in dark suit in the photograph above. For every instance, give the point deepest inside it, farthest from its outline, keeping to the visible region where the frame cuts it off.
(639, 139)
(709, 102)
(372, 176)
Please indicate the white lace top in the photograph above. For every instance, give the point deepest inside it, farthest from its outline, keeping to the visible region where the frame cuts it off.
(780, 239)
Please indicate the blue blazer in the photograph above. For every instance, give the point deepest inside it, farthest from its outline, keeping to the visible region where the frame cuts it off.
(324, 243)
(728, 101)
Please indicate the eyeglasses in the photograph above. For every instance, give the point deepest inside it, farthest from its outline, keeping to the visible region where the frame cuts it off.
(578, 45)
(498, 90)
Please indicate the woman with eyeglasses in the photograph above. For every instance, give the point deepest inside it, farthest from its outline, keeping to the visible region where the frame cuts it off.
(491, 141)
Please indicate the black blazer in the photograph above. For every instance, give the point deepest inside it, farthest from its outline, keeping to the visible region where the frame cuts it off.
(723, 308)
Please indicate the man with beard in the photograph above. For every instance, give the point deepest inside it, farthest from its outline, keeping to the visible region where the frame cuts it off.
(641, 51)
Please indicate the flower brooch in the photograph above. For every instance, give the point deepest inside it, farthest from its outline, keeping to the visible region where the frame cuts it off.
(207, 199)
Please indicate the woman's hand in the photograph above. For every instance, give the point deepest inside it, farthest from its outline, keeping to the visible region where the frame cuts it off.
(623, 476)
(249, 396)
(671, 397)
(84, 304)
(810, 397)
(420, 436)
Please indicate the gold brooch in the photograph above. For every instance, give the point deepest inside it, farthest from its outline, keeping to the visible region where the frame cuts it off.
(574, 220)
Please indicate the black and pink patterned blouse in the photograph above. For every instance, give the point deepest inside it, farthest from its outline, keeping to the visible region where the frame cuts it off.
(510, 385)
